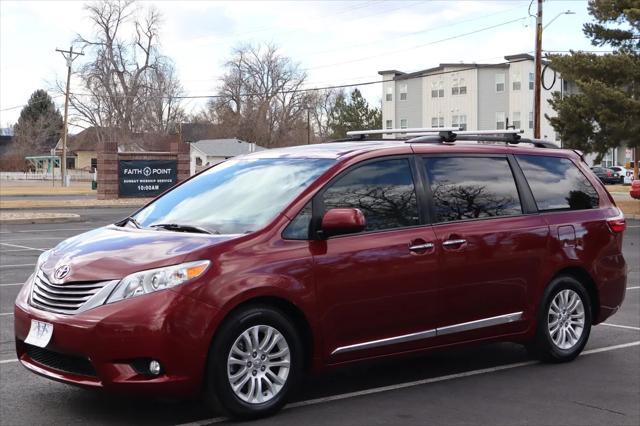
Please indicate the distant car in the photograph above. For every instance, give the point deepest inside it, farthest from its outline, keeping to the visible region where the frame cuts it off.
(635, 189)
(606, 175)
(626, 175)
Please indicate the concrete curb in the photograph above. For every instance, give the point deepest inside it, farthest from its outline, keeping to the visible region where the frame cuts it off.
(68, 217)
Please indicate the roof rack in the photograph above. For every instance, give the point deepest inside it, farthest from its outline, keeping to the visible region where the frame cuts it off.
(411, 131)
(506, 136)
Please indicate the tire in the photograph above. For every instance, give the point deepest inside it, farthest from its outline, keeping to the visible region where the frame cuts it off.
(262, 367)
(573, 326)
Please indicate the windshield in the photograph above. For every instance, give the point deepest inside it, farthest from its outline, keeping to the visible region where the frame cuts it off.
(234, 197)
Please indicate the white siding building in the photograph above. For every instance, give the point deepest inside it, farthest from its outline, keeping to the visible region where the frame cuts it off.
(474, 96)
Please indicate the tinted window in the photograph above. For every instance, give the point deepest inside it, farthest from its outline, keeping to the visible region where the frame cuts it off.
(298, 228)
(471, 188)
(557, 184)
(383, 191)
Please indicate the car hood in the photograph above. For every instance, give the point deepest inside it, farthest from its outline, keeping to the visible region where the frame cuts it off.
(113, 252)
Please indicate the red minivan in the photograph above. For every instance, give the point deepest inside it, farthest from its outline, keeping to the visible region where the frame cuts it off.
(240, 279)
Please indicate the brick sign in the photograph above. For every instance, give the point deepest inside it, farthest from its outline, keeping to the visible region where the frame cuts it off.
(145, 178)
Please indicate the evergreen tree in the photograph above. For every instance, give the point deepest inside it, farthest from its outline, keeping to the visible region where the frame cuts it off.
(39, 126)
(606, 112)
(353, 114)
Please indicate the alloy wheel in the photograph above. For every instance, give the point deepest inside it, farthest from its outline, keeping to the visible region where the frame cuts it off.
(258, 364)
(566, 319)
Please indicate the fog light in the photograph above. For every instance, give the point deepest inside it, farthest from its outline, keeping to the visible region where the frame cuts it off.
(154, 367)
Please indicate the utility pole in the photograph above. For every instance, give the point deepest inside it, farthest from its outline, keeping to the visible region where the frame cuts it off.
(308, 126)
(538, 73)
(69, 56)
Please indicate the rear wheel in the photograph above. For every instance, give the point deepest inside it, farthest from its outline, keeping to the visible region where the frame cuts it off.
(564, 321)
(254, 363)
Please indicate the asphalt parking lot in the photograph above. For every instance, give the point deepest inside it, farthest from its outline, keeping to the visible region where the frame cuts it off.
(492, 384)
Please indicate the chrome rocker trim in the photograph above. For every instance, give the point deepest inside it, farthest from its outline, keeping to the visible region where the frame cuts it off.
(450, 329)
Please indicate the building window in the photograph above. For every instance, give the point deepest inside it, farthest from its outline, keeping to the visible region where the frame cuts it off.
(403, 123)
(531, 80)
(517, 82)
(71, 163)
(516, 120)
(531, 119)
(389, 95)
(94, 164)
(437, 89)
(500, 120)
(403, 92)
(500, 82)
(434, 121)
(389, 124)
(462, 86)
(459, 121)
(455, 90)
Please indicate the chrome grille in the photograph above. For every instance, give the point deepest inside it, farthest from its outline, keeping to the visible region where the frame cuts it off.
(62, 298)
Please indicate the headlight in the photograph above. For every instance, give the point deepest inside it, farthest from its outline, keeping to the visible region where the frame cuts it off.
(41, 259)
(146, 282)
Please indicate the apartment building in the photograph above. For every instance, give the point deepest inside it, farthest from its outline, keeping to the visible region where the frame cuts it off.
(472, 96)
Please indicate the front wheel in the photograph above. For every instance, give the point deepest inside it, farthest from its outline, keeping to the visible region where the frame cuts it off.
(564, 321)
(254, 363)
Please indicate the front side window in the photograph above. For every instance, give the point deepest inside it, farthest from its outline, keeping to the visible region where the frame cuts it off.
(298, 228)
(557, 183)
(236, 196)
(471, 188)
(382, 190)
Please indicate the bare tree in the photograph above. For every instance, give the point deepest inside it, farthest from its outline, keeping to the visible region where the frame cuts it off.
(260, 98)
(127, 84)
(323, 104)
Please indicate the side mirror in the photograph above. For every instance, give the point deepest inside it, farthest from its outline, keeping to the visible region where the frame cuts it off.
(342, 221)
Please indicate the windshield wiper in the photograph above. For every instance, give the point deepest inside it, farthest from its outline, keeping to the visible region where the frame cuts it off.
(130, 219)
(182, 228)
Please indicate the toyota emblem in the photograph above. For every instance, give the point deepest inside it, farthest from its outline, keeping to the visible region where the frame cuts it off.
(62, 272)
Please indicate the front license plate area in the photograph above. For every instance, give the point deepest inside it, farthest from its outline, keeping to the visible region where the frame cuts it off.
(39, 334)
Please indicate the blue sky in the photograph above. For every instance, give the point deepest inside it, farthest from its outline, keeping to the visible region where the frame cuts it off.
(336, 42)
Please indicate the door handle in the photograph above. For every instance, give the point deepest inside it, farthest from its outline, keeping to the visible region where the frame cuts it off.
(456, 242)
(421, 247)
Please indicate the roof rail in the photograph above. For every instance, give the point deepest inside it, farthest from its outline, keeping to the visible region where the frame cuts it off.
(412, 130)
(506, 136)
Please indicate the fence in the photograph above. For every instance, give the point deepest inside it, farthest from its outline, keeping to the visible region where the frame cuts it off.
(75, 175)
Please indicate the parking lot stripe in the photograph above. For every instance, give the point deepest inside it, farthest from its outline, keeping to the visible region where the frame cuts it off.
(10, 284)
(633, 288)
(22, 247)
(372, 391)
(6, 361)
(2, 314)
(621, 326)
(21, 265)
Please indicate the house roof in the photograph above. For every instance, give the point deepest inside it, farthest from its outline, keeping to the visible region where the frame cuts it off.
(225, 147)
(193, 132)
(87, 140)
(399, 75)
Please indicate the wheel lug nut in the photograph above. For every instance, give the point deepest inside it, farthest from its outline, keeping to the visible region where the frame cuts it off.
(249, 364)
(262, 368)
(254, 372)
(262, 357)
(255, 354)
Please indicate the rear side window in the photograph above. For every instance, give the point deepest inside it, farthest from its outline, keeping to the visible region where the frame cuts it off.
(471, 187)
(382, 190)
(557, 183)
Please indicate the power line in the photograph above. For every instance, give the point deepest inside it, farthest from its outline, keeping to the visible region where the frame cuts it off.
(419, 45)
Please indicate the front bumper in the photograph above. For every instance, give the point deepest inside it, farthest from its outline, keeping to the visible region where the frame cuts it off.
(104, 347)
